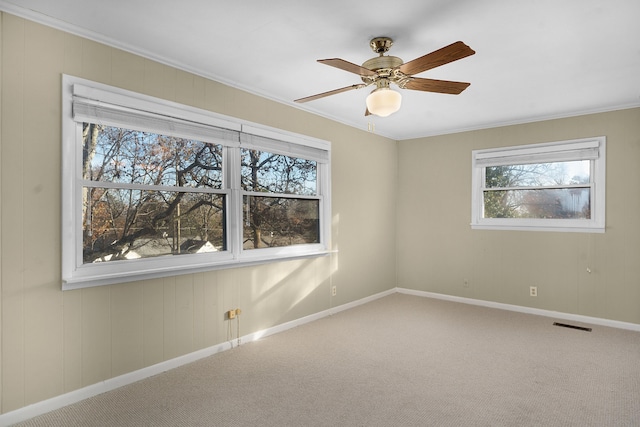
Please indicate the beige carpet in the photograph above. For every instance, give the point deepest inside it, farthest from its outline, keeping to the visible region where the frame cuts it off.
(398, 361)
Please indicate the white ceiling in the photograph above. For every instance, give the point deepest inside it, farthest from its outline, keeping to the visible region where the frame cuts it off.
(534, 60)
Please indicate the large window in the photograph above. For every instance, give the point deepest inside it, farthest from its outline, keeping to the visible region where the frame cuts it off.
(153, 188)
(556, 186)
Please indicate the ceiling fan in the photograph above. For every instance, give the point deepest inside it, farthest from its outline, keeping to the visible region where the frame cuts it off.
(384, 70)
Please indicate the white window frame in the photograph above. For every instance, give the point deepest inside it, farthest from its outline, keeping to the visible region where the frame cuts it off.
(84, 100)
(593, 149)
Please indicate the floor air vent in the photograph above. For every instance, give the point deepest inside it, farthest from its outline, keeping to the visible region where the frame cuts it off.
(565, 325)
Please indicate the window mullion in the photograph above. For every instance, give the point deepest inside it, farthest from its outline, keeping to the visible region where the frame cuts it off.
(232, 167)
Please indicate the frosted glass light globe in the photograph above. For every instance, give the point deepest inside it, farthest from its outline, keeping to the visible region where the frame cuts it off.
(383, 102)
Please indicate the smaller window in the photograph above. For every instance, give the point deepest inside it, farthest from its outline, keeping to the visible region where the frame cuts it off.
(557, 186)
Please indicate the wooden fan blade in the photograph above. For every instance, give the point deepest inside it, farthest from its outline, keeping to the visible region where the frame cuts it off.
(331, 92)
(347, 66)
(439, 86)
(453, 52)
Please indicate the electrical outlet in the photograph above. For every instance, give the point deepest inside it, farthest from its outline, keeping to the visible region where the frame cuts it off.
(533, 291)
(334, 291)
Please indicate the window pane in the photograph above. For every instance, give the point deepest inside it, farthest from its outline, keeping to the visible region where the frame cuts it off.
(276, 221)
(123, 224)
(277, 173)
(128, 156)
(565, 203)
(538, 174)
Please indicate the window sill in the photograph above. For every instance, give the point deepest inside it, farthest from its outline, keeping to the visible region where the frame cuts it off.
(91, 280)
(562, 229)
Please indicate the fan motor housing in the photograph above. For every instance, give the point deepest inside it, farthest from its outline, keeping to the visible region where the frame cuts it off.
(381, 62)
(382, 65)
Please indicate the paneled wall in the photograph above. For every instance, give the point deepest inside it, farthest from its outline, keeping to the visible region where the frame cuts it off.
(405, 222)
(438, 251)
(54, 342)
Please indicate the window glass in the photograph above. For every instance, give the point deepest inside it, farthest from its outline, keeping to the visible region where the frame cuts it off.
(120, 155)
(122, 224)
(276, 173)
(125, 223)
(531, 190)
(547, 203)
(277, 221)
(538, 174)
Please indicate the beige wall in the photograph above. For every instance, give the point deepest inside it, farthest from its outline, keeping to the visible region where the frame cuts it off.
(437, 250)
(54, 342)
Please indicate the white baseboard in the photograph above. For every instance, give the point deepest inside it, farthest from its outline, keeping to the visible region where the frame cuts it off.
(75, 396)
(316, 316)
(78, 395)
(528, 310)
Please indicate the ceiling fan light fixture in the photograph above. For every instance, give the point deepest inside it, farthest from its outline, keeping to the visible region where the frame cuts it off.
(383, 101)
(385, 69)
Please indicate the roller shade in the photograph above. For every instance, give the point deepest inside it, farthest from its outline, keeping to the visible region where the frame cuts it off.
(278, 146)
(94, 105)
(88, 109)
(584, 150)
